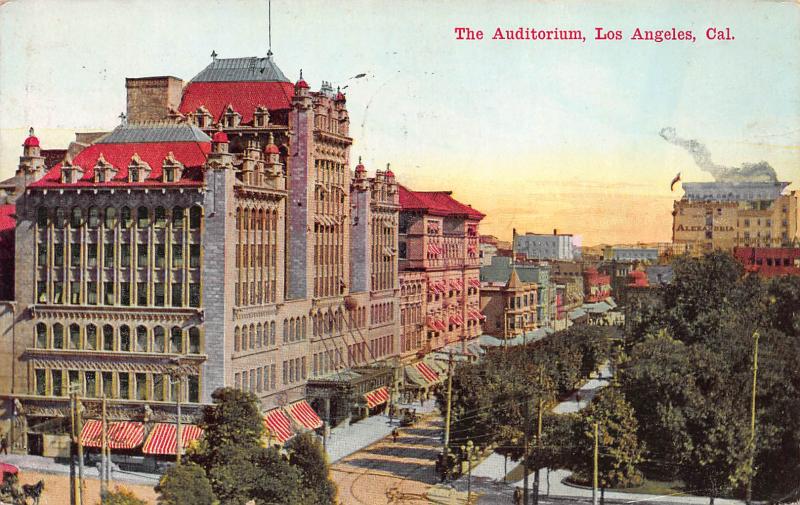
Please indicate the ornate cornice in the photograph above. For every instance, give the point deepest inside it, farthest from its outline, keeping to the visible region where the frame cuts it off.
(110, 313)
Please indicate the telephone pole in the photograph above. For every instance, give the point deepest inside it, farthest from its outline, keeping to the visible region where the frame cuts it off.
(76, 487)
(525, 444)
(749, 495)
(445, 459)
(594, 472)
(104, 453)
(538, 439)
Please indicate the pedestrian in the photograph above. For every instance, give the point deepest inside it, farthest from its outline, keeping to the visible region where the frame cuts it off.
(4, 444)
(517, 496)
(578, 398)
(395, 434)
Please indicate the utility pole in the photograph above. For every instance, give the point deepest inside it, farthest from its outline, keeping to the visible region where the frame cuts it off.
(104, 451)
(594, 473)
(525, 444)
(446, 461)
(749, 495)
(538, 437)
(73, 481)
(178, 437)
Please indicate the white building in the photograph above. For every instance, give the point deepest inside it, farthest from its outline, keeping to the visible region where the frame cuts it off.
(558, 246)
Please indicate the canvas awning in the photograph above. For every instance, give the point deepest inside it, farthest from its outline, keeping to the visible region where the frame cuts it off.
(304, 415)
(162, 438)
(415, 376)
(121, 435)
(427, 372)
(475, 283)
(377, 396)
(278, 425)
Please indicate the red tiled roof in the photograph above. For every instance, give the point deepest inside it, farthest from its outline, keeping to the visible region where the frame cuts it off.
(439, 203)
(190, 154)
(244, 97)
(7, 219)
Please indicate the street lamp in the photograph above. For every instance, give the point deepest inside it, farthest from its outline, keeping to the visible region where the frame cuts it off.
(469, 451)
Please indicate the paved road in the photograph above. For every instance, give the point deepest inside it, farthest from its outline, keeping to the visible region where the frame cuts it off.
(392, 473)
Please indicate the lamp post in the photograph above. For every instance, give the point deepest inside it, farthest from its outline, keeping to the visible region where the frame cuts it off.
(469, 451)
(178, 373)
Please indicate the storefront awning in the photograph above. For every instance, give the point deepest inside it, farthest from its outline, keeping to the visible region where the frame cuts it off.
(427, 372)
(377, 397)
(162, 438)
(475, 283)
(304, 415)
(278, 425)
(415, 376)
(121, 435)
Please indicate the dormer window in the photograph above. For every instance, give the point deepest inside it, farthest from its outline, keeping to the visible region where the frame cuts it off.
(70, 173)
(202, 118)
(261, 117)
(138, 170)
(231, 118)
(171, 169)
(103, 170)
(133, 174)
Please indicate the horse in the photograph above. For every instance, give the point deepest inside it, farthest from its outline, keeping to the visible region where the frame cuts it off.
(33, 491)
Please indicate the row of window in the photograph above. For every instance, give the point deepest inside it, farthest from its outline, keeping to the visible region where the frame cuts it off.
(122, 385)
(411, 314)
(294, 370)
(382, 312)
(256, 380)
(120, 338)
(93, 296)
(110, 252)
(255, 336)
(255, 292)
(411, 340)
(110, 217)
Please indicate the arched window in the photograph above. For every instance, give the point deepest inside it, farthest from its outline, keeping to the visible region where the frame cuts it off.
(59, 221)
(237, 339)
(159, 343)
(176, 340)
(74, 336)
(110, 217)
(76, 217)
(141, 339)
(160, 217)
(251, 343)
(292, 330)
(41, 336)
(142, 217)
(285, 331)
(58, 336)
(125, 338)
(194, 340)
(195, 217)
(272, 333)
(125, 218)
(177, 217)
(94, 217)
(260, 335)
(91, 337)
(303, 330)
(108, 338)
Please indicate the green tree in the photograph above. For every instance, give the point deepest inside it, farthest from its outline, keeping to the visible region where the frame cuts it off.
(185, 485)
(308, 456)
(122, 496)
(620, 450)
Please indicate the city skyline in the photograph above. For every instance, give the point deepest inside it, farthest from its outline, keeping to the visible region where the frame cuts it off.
(557, 154)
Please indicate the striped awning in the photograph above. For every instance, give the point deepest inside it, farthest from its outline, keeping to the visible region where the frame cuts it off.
(431, 323)
(304, 415)
(456, 320)
(475, 283)
(377, 396)
(427, 372)
(435, 249)
(278, 425)
(121, 435)
(162, 438)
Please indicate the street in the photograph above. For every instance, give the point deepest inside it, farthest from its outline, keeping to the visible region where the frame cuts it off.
(392, 473)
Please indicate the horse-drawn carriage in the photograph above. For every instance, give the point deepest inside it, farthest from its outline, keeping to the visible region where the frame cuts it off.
(10, 490)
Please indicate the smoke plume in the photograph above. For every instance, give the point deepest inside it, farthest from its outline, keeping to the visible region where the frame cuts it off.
(748, 172)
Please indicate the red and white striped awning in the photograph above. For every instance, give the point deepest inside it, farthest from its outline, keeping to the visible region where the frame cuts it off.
(278, 425)
(433, 288)
(162, 438)
(305, 416)
(377, 396)
(456, 320)
(475, 283)
(427, 372)
(457, 284)
(431, 323)
(435, 249)
(121, 435)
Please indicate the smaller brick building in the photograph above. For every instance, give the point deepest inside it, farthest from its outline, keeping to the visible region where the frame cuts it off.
(769, 261)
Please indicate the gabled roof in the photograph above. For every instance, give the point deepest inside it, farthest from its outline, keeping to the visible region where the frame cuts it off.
(439, 203)
(246, 69)
(152, 143)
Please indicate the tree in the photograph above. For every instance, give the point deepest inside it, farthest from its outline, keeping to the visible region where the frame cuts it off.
(121, 496)
(620, 450)
(185, 485)
(308, 456)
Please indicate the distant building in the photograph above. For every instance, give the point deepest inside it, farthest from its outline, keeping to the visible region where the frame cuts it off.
(619, 253)
(500, 272)
(535, 246)
(488, 249)
(511, 309)
(770, 261)
(722, 216)
(596, 286)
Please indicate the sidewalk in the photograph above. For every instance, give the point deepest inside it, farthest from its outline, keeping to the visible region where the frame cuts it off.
(344, 440)
(48, 465)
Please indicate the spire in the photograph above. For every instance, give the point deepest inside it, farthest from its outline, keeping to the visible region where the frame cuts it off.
(513, 279)
(213, 55)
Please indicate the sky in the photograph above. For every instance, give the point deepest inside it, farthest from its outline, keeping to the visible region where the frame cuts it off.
(538, 135)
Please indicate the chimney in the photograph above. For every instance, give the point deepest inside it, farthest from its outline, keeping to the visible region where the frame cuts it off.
(555, 231)
(151, 98)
